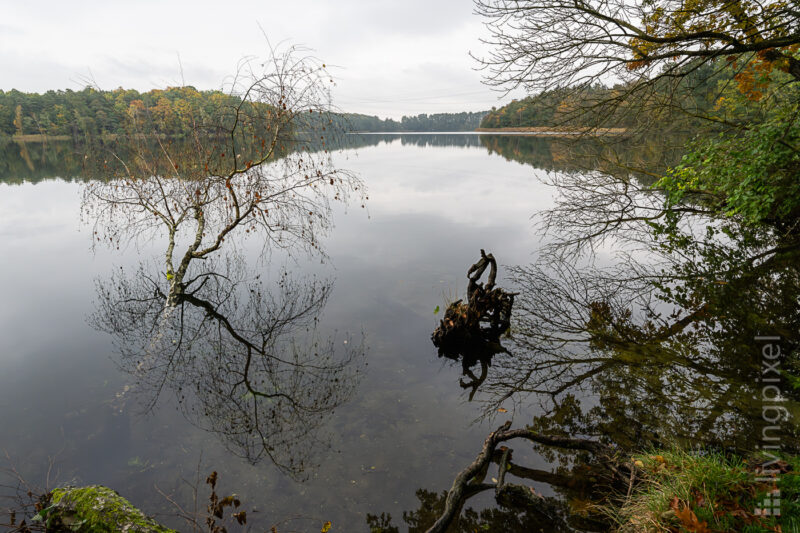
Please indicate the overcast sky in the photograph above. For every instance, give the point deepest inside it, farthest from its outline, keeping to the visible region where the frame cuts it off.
(390, 57)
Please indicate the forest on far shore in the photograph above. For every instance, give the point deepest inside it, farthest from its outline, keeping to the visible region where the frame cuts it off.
(703, 86)
(92, 112)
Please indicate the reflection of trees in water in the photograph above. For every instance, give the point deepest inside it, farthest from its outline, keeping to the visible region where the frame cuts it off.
(585, 477)
(29, 161)
(34, 161)
(66, 159)
(618, 363)
(656, 343)
(432, 504)
(531, 150)
(462, 141)
(646, 354)
(641, 157)
(422, 140)
(245, 362)
(661, 346)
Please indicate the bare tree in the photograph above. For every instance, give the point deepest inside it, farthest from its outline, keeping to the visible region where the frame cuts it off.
(245, 362)
(542, 44)
(634, 64)
(261, 167)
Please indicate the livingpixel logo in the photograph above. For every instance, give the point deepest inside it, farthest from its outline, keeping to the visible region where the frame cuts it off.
(773, 413)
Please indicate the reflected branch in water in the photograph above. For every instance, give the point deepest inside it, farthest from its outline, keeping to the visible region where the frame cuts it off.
(245, 363)
(522, 508)
(644, 354)
(639, 320)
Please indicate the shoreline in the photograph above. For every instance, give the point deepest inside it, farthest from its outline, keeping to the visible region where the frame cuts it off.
(37, 137)
(535, 131)
(553, 131)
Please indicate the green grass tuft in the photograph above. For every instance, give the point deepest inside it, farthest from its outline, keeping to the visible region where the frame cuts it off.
(708, 492)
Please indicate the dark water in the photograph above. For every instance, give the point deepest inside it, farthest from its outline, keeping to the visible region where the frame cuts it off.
(68, 394)
(432, 206)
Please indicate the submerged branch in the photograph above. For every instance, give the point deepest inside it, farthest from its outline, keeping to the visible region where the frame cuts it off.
(468, 482)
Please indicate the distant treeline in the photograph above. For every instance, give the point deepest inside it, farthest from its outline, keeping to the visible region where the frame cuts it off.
(90, 112)
(177, 110)
(465, 121)
(539, 110)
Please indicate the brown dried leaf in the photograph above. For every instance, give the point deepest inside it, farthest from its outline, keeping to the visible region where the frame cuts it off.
(690, 521)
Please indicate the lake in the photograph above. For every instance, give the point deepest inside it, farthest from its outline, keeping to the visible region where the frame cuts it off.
(72, 396)
(432, 206)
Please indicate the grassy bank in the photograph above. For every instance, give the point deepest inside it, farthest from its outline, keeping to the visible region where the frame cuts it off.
(703, 493)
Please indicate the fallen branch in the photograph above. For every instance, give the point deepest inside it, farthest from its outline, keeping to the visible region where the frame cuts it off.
(456, 496)
(470, 480)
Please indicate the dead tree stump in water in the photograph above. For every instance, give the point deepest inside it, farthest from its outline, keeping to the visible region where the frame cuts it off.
(473, 329)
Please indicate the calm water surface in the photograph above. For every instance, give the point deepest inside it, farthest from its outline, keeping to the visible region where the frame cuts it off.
(434, 202)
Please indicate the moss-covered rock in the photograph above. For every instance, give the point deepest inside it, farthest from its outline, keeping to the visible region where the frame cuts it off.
(96, 509)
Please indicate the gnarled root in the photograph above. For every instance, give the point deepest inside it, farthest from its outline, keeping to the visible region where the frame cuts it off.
(483, 318)
(471, 330)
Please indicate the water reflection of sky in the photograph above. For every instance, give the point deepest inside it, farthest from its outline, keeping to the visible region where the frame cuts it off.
(430, 210)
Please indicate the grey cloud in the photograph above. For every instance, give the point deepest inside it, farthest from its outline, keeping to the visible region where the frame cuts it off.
(398, 57)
